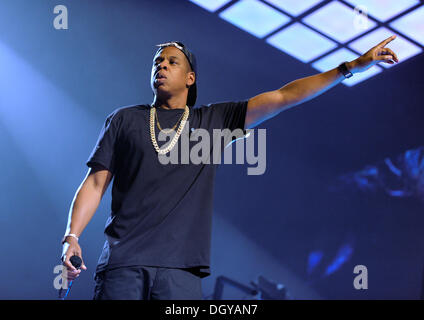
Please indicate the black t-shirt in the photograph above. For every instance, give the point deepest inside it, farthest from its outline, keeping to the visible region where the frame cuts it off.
(160, 214)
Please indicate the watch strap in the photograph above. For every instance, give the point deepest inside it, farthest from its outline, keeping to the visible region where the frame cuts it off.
(344, 70)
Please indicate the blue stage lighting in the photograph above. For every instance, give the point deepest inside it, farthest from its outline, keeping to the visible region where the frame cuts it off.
(343, 255)
(210, 5)
(301, 42)
(411, 25)
(384, 10)
(294, 7)
(254, 17)
(314, 259)
(335, 21)
(338, 21)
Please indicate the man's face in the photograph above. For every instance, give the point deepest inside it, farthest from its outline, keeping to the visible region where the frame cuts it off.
(171, 72)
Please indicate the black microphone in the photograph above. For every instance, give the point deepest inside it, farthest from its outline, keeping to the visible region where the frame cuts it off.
(76, 262)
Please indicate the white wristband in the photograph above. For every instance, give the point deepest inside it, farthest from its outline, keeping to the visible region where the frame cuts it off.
(69, 235)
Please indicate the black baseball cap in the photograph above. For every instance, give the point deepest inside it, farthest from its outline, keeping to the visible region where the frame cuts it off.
(192, 92)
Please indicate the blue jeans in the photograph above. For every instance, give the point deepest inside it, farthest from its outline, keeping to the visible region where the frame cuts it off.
(147, 283)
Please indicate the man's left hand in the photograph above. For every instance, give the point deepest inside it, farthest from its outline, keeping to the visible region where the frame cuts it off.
(373, 56)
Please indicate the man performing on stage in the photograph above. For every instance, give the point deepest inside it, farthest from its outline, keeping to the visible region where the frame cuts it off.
(158, 235)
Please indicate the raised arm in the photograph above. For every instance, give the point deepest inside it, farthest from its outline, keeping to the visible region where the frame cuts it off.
(269, 104)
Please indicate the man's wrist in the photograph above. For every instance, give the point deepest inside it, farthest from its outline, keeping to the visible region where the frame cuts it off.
(68, 236)
(351, 65)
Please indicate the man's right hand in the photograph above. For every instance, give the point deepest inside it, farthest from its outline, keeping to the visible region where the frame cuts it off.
(72, 248)
(84, 205)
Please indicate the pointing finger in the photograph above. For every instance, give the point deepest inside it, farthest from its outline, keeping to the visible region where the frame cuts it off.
(384, 42)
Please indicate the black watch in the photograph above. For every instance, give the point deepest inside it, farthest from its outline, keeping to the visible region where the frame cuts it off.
(344, 70)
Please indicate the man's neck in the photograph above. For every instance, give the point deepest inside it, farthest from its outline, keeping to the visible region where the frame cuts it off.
(171, 103)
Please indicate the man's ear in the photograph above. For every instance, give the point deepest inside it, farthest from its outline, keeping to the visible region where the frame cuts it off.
(191, 79)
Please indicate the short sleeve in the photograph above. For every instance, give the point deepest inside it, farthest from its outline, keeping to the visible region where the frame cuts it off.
(230, 115)
(104, 152)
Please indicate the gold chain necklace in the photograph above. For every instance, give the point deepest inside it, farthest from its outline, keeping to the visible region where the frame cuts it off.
(166, 131)
(176, 136)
